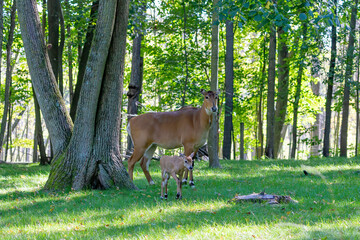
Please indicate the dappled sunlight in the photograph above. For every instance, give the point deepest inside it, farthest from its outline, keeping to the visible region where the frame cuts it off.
(327, 205)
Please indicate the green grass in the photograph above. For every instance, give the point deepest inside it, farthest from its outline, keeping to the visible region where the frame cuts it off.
(328, 204)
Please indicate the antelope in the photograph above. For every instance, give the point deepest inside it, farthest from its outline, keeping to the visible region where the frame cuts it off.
(187, 127)
(174, 165)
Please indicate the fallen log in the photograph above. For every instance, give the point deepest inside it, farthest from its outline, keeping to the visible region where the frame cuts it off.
(262, 197)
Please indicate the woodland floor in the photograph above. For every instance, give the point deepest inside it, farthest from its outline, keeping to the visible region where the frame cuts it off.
(328, 204)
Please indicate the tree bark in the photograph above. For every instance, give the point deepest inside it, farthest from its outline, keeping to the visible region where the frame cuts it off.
(229, 88)
(53, 42)
(51, 103)
(329, 92)
(298, 91)
(8, 74)
(283, 89)
(269, 151)
(84, 53)
(213, 138)
(348, 76)
(39, 133)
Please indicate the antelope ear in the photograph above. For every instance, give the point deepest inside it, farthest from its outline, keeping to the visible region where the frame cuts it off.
(217, 92)
(182, 155)
(203, 92)
(192, 155)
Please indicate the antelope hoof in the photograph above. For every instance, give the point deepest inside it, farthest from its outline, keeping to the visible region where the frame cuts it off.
(184, 181)
(161, 197)
(165, 196)
(178, 196)
(191, 184)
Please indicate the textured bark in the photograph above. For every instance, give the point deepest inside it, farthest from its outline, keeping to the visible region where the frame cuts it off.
(348, 76)
(213, 138)
(53, 42)
(84, 53)
(269, 151)
(283, 89)
(298, 92)
(65, 170)
(229, 88)
(186, 80)
(329, 92)
(51, 103)
(106, 154)
(135, 85)
(8, 74)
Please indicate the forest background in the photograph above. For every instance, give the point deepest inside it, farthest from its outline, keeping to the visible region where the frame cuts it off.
(288, 72)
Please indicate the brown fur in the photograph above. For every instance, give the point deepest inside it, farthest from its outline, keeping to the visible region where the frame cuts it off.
(188, 128)
(174, 166)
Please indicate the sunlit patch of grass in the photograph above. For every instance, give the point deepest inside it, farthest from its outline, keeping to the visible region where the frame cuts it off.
(328, 204)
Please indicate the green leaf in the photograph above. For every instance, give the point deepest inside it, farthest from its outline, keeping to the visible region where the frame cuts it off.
(258, 18)
(302, 16)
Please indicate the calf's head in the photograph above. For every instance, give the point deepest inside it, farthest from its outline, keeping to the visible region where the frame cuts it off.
(188, 160)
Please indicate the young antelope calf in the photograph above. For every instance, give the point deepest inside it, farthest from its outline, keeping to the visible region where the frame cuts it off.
(174, 165)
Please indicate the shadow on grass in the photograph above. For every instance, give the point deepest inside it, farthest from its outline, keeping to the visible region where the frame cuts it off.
(319, 198)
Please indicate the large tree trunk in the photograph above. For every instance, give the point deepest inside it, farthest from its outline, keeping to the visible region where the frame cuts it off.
(298, 92)
(213, 138)
(8, 74)
(84, 53)
(283, 89)
(229, 88)
(329, 92)
(51, 103)
(269, 151)
(348, 76)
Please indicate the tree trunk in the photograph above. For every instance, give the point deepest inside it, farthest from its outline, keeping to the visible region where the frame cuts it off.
(84, 53)
(283, 89)
(298, 91)
(51, 103)
(39, 133)
(329, 93)
(91, 157)
(185, 57)
(229, 88)
(269, 151)
(53, 42)
(61, 49)
(136, 78)
(8, 74)
(260, 134)
(357, 102)
(348, 78)
(242, 143)
(315, 131)
(1, 35)
(213, 138)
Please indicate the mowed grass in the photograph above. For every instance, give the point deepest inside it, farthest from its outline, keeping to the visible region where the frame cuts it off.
(328, 204)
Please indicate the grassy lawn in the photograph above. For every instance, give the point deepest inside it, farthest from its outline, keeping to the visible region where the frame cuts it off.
(328, 204)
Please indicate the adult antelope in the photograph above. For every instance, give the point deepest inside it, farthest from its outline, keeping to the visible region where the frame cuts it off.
(187, 127)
